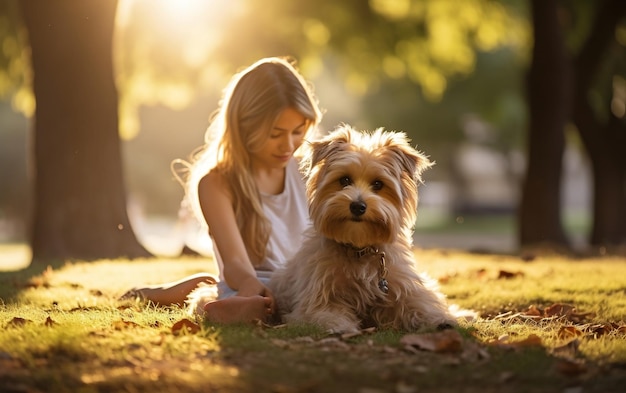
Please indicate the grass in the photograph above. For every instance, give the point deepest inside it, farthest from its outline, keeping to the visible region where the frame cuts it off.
(63, 330)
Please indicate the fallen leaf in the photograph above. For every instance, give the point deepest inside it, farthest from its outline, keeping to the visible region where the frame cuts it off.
(531, 341)
(569, 332)
(185, 325)
(601, 329)
(17, 321)
(445, 341)
(122, 324)
(503, 342)
(567, 311)
(445, 279)
(49, 322)
(581, 317)
(559, 310)
(503, 274)
(533, 311)
(481, 274)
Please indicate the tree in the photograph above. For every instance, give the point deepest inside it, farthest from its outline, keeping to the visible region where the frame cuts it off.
(602, 131)
(548, 95)
(79, 194)
(557, 73)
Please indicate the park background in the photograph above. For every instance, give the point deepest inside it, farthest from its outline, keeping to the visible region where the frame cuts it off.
(453, 75)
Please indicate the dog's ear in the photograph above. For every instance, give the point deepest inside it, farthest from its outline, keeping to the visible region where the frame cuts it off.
(320, 150)
(414, 161)
(411, 160)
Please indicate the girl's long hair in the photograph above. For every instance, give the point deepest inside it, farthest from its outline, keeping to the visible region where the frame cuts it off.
(250, 106)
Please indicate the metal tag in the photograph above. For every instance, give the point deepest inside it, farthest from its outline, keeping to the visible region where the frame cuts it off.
(383, 285)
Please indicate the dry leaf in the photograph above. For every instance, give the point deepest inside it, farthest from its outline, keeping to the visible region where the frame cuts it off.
(503, 342)
(531, 341)
(49, 322)
(445, 279)
(559, 310)
(569, 332)
(503, 274)
(122, 324)
(568, 311)
(533, 311)
(581, 317)
(185, 325)
(481, 274)
(446, 341)
(17, 321)
(602, 329)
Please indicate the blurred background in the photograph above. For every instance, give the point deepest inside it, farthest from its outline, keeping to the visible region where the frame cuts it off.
(451, 74)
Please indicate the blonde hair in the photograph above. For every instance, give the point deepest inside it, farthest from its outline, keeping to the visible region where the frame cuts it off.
(250, 106)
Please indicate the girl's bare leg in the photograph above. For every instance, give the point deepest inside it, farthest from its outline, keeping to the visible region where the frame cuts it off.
(173, 293)
(238, 309)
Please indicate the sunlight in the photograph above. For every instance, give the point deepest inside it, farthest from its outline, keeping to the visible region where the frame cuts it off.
(180, 9)
(165, 52)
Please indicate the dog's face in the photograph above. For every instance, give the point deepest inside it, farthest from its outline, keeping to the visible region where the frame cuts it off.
(362, 187)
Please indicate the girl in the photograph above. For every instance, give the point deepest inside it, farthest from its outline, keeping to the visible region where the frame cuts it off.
(246, 185)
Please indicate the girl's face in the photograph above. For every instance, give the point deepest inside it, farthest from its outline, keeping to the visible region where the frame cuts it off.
(285, 138)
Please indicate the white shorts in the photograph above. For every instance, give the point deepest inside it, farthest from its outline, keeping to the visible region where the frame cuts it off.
(224, 291)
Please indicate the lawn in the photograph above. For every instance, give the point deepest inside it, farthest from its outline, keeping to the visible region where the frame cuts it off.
(546, 324)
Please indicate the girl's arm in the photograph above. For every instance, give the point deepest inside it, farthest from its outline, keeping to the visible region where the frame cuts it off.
(217, 208)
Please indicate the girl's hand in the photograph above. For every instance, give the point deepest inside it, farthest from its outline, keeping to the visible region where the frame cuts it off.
(253, 287)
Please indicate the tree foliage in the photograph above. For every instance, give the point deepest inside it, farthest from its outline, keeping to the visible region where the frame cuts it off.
(407, 63)
(14, 61)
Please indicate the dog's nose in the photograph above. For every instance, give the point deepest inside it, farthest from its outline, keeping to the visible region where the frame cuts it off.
(358, 208)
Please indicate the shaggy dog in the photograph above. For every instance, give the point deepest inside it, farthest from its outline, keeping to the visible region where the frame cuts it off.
(356, 267)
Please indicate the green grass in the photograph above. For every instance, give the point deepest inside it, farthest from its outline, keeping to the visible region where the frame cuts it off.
(63, 330)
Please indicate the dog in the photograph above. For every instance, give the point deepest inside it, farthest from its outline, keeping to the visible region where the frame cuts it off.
(355, 268)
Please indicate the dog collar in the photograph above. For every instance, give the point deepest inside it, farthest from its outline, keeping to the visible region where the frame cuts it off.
(383, 284)
(361, 252)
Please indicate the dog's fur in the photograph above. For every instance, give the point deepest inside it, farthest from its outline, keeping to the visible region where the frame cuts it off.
(362, 192)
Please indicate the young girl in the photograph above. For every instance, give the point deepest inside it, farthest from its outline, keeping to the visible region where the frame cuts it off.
(246, 185)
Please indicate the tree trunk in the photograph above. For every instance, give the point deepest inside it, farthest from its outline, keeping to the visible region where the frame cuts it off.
(603, 140)
(548, 93)
(79, 195)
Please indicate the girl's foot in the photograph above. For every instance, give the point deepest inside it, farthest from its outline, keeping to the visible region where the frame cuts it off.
(238, 309)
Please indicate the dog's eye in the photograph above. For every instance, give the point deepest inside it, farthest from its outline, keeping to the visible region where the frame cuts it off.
(345, 181)
(377, 185)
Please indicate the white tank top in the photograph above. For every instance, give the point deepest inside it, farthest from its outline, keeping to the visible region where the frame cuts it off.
(288, 214)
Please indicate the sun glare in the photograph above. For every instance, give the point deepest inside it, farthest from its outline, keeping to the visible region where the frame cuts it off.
(181, 9)
(166, 50)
